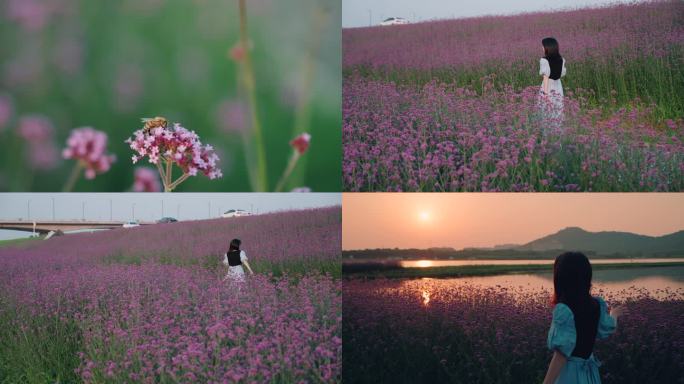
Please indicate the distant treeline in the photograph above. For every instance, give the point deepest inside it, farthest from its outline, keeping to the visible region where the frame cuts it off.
(473, 253)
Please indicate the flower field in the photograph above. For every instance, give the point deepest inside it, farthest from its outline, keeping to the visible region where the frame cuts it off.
(148, 305)
(459, 112)
(441, 138)
(400, 331)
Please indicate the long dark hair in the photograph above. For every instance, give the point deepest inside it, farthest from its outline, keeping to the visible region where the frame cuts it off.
(571, 279)
(551, 50)
(234, 245)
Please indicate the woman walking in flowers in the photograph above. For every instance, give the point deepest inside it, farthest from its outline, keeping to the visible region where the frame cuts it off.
(552, 68)
(234, 259)
(578, 320)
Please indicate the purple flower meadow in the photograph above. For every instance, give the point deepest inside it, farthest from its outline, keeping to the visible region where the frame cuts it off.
(150, 308)
(614, 35)
(445, 138)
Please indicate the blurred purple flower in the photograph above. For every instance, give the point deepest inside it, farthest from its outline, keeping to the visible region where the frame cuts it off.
(32, 15)
(6, 110)
(38, 132)
(192, 66)
(43, 155)
(89, 146)
(35, 128)
(237, 52)
(26, 68)
(128, 86)
(301, 143)
(146, 180)
(232, 115)
(68, 55)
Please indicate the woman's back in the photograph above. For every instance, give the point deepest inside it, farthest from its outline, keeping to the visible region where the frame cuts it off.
(586, 325)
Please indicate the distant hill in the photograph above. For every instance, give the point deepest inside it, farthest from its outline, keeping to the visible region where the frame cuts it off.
(574, 238)
(595, 244)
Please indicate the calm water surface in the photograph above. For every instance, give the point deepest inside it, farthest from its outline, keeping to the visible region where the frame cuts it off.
(658, 282)
(456, 263)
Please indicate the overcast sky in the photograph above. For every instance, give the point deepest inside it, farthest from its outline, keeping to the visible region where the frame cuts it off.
(458, 220)
(148, 206)
(358, 13)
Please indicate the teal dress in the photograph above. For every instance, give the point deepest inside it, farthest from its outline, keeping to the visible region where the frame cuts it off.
(562, 338)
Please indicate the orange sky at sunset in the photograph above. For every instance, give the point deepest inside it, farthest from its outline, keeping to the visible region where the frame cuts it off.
(458, 220)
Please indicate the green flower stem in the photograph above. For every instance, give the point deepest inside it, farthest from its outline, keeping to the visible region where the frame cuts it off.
(169, 171)
(163, 175)
(176, 183)
(260, 182)
(303, 107)
(73, 177)
(288, 170)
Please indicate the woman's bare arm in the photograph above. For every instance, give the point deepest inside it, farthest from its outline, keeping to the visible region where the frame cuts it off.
(248, 267)
(557, 363)
(546, 85)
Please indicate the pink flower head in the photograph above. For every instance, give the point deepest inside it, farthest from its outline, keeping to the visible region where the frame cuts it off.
(32, 15)
(237, 52)
(146, 180)
(89, 146)
(69, 55)
(232, 116)
(128, 86)
(178, 145)
(6, 109)
(35, 128)
(38, 132)
(301, 143)
(43, 155)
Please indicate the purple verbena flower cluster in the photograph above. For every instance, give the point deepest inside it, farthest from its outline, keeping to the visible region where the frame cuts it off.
(177, 145)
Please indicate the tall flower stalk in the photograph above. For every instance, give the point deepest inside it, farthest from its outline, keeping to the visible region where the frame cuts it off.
(309, 69)
(258, 176)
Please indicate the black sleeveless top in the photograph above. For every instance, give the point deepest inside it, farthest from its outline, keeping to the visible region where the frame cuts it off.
(556, 65)
(586, 325)
(234, 258)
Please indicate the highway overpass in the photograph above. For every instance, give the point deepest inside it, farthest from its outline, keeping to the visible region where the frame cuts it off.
(45, 226)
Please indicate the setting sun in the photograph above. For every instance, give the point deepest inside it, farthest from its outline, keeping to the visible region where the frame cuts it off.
(424, 216)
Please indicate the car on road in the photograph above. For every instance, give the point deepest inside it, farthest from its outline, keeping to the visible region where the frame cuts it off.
(131, 224)
(164, 220)
(394, 21)
(235, 213)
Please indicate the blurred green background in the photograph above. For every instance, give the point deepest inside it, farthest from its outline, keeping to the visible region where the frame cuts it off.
(106, 64)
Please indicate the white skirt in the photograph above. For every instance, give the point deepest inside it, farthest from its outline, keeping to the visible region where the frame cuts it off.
(236, 273)
(551, 105)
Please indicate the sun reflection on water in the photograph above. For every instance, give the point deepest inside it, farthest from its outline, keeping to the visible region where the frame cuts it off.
(424, 263)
